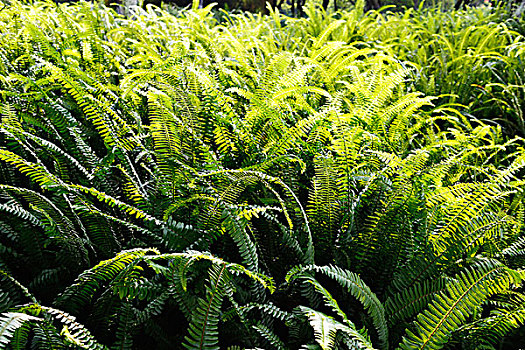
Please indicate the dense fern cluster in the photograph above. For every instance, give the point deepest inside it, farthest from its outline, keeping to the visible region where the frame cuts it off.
(236, 181)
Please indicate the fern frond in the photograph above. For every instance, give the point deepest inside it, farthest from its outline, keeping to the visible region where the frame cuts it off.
(355, 286)
(452, 307)
(10, 322)
(203, 333)
(325, 329)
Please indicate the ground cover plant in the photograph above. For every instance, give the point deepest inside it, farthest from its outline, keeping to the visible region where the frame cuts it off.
(211, 180)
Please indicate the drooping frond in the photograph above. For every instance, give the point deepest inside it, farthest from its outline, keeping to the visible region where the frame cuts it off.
(357, 288)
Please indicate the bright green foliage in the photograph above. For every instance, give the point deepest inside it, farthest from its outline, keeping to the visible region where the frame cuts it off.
(211, 180)
(462, 298)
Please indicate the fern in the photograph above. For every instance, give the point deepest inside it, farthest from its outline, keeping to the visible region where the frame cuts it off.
(452, 307)
(355, 286)
(11, 322)
(231, 171)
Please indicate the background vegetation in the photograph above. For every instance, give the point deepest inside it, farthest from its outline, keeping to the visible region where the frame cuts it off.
(223, 180)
